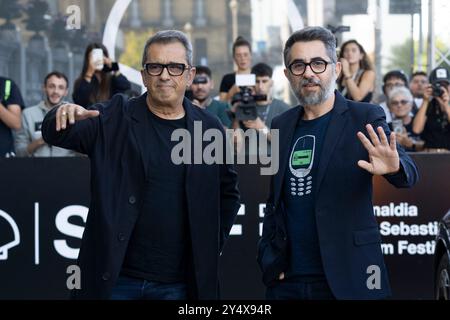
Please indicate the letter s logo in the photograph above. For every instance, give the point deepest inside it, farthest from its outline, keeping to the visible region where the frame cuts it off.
(63, 226)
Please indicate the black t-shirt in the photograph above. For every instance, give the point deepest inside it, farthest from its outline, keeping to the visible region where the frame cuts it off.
(9, 94)
(298, 196)
(436, 133)
(158, 246)
(228, 81)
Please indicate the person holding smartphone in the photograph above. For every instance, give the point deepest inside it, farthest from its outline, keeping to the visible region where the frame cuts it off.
(100, 78)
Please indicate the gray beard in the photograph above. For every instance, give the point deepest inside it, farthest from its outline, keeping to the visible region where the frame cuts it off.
(326, 91)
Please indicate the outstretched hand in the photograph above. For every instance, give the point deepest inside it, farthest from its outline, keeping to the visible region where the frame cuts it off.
(383, 155)
(69, 113)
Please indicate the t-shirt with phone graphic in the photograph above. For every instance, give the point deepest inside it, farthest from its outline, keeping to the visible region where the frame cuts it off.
(300, 165)
(298, 196)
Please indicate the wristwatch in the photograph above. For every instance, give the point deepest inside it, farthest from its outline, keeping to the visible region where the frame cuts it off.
(265, 130)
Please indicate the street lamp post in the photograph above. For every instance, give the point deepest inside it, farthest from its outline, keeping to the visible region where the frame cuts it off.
(431, 54)
(188, 30)
(234, 7)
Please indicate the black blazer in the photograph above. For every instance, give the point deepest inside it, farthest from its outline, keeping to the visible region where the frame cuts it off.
(349, 237)
(115, 143)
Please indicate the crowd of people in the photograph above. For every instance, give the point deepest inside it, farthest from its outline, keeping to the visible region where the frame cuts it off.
(416, 109)
(20, 125)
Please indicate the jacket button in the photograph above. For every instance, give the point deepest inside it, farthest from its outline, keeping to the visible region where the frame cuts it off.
(132, 200)
(106, 276)
(121, 237)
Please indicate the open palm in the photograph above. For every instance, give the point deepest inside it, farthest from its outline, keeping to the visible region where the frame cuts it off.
(383, 155)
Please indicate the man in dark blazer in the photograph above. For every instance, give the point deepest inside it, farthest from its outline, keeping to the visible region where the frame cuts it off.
(320, 237)
(155, 228)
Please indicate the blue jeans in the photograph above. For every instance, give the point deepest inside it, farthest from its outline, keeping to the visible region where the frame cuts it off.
(128, 288)
(297, 289)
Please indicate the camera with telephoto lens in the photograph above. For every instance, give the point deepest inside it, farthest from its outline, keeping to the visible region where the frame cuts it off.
(246, 108)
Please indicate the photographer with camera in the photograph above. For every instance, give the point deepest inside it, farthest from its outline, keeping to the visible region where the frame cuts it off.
(400, 102)
(262, 107)
(254, 107)
(242, 56)
(201, 89)
(269, 107)
(432, 120)
(100, 78)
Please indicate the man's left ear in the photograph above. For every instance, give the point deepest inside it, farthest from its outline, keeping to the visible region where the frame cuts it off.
(338, 69)
(192, 73)
(144, 78)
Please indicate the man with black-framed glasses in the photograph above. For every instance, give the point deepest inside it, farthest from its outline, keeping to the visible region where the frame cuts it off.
(320, 238)
(156, 225)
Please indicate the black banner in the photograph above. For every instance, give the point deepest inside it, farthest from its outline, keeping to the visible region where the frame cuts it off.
(44, 205)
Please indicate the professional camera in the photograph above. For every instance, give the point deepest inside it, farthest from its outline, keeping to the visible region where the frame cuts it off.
(437, 89)
(438, 78)
(246, 108)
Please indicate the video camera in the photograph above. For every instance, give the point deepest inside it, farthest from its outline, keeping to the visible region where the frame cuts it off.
(247, 108)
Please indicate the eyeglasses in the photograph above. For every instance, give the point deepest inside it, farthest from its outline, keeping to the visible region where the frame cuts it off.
(398, 103)
(298, 68)
(174, 69)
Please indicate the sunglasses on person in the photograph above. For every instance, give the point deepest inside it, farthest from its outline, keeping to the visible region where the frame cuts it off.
(396, 103)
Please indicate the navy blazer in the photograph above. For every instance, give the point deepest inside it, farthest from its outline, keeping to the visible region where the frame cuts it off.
(349, 237)
(115, 142)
